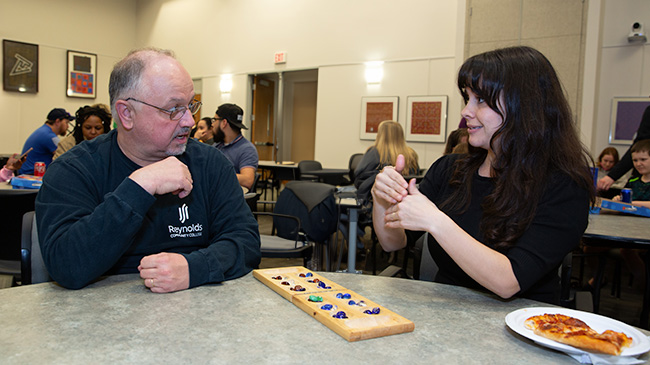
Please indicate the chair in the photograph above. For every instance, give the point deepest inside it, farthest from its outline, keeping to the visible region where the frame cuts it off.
(32, 267)
(252, 197)
(567, 295)
(305, 166)
(314, 204)
(355, 159)
(291, 243)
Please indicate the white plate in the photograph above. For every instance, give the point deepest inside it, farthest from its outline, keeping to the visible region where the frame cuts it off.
(515, 320)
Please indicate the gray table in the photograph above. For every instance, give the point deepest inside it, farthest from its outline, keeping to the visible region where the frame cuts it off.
(117, 320)
(620, 230)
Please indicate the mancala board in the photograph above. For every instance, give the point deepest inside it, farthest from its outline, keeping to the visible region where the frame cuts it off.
(345, 312)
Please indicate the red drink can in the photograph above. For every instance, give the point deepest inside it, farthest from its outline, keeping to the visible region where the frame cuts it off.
(39, 169)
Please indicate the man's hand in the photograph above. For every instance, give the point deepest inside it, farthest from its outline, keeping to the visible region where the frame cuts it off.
(165, 272)
(166, 176)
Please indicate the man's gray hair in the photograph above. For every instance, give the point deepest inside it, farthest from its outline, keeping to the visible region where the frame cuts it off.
(126, 76)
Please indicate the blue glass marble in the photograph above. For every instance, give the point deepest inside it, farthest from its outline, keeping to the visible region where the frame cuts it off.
(340, 315)
(352, 302)
(309, 274)
(343, 296)
(374, 310)
(326, 307)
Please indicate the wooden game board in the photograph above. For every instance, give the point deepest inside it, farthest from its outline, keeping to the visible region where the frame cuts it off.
(362, 319)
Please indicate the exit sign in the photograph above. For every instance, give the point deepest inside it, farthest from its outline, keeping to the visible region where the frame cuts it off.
(280, 57)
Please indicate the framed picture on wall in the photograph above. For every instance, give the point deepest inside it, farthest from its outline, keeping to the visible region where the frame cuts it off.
(19, 66)
(81, 75)
(625, 119)
(426, 119)
(375, 110)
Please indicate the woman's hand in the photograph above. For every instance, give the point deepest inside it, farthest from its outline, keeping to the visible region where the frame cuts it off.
(390, 186)
(415, 212)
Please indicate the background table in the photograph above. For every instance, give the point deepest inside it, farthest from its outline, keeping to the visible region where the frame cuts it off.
(331, 176)
(619, 230)
(117, 320)
(277, 173)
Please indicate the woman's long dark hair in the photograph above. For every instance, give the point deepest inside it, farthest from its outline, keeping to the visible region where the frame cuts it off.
(83, 113)
(536, 139)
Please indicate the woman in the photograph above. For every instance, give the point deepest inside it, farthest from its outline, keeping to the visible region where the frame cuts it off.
(204, 131)
(456, 138)
(388, 145)
(503, 216)
(91, 121)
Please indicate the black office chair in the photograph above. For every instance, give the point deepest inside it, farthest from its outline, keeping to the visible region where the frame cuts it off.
(287, 242)
(33, 270)
(314, 204)
(355, 159)
(253, 196)
(305, 166)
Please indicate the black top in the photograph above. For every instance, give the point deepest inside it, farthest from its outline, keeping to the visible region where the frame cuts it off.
(560, 220)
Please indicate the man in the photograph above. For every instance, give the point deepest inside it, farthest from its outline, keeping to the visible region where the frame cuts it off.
(144, 198)
(229, 121)
(45, 139)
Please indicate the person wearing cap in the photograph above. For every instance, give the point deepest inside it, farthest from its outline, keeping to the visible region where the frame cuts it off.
(146, 198)
(229, 121)
(45, 140)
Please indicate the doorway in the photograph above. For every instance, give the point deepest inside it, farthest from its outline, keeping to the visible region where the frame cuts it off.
(284, 115)
(263, 118)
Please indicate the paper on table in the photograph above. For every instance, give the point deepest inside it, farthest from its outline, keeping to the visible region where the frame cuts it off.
(597, 359)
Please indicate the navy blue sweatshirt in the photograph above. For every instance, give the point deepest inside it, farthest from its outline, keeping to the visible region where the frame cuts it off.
(93, 220)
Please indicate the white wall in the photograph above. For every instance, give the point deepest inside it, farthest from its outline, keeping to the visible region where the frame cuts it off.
(418, 39)
(105, 28)
(624, 68)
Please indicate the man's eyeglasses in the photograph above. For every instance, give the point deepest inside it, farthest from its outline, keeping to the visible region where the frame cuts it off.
(177, 112)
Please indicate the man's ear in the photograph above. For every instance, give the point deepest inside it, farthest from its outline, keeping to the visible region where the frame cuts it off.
(125, 114)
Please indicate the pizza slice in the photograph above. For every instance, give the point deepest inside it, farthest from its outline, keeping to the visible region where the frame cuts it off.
(574, 332)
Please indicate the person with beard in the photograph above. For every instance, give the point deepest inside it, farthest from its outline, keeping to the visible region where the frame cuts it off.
(227, 126)
(45, 140)
(145, 197)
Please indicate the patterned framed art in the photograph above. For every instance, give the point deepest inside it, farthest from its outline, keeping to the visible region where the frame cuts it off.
(426, 119)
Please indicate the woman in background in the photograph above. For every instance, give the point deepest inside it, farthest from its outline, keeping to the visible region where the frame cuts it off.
(91, 121)
(204, 131)
(390, 143)
(457, 137)
(503, 216)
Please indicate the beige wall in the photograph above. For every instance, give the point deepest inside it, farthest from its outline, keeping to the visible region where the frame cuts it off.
(105, 28)
(623, 69)
(554, 27)
(422, 43)
(240, 37)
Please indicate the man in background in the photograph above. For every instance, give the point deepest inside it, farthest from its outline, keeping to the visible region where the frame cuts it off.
(229, 121)
(45, 139)
(145, 197)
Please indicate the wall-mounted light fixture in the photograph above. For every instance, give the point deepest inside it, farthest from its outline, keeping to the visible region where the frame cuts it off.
(225, 85)
(374, 72)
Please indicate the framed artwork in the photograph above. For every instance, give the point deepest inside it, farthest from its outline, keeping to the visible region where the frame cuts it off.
(82, 75)
(19, 66)
(625, 119)
(375, 110)
(426, 119)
